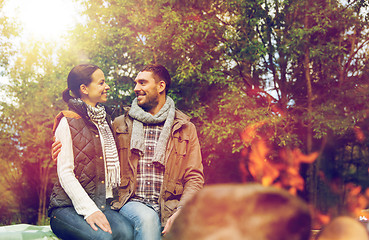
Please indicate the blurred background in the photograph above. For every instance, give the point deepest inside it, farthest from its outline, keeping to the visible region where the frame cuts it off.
(278, 89)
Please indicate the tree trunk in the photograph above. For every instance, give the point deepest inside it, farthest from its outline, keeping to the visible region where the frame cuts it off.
(309, 132)
(312, 180)
(44, 179)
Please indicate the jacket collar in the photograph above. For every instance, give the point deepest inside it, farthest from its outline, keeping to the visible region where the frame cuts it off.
(179, 120)
(80, 107)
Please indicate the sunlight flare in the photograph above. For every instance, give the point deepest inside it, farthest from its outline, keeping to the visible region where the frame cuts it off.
(45, 20)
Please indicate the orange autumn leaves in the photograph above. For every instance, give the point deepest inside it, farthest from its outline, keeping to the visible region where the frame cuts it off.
(281, 171)
(356, 200)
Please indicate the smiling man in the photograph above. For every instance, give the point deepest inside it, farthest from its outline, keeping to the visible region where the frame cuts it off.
(160, 156)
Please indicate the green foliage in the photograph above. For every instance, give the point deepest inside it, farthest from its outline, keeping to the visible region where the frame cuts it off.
(34, 89)
(233, 64)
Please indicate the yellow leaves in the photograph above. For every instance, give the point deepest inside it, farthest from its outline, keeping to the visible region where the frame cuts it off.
(259, 167)
(281, 172)
(367, 192)
(323, 218)
(355, 200)
(282, 169)
(249, 134)
(296, 156)
(353, 190)
(360, 136)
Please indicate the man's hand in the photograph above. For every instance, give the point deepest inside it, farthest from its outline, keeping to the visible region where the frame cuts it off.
(170, 221)
(100, 220)
(55, 149)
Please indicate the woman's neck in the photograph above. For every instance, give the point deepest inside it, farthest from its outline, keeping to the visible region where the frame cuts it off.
(87, 101)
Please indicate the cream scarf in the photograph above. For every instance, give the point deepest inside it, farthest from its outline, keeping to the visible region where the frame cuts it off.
(98, 115)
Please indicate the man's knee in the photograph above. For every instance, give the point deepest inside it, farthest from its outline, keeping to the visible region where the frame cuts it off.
(149, 218)
(123, 233)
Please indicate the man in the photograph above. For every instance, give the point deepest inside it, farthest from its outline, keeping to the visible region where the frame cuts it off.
(160, 158)
(243, 212)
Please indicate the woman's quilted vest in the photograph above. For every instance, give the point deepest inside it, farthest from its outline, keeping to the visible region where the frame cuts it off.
(88, 161)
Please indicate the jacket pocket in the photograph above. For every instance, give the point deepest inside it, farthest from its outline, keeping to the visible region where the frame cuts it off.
(172, 197)
(174, 190)
(124, 188)
(122, 193)
(180, 144)
(124, 182)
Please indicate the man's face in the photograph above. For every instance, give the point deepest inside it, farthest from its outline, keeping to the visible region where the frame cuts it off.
(147, 90)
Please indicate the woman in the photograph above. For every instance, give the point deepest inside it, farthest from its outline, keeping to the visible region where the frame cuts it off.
(88, 165)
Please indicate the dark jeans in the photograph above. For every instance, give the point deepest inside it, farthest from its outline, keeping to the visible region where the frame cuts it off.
(67, 224)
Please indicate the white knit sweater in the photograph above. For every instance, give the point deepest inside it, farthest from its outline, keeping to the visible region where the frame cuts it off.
(82, 203)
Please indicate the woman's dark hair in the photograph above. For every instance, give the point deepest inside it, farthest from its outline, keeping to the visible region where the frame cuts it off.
(161, 72)
(80, 74)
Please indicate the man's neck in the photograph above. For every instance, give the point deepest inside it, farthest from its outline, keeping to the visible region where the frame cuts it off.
(157, 108)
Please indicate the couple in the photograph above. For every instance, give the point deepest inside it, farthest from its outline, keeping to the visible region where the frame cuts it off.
(128, 179)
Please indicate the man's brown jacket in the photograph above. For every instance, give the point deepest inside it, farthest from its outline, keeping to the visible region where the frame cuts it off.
(183, 175)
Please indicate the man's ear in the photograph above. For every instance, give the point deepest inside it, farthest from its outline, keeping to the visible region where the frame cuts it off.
(161, 86)
(83, 89)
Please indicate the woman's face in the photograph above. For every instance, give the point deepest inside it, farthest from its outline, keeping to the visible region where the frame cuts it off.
(97, 90)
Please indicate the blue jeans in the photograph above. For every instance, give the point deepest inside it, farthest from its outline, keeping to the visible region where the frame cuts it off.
(67, 224)
(145, 220)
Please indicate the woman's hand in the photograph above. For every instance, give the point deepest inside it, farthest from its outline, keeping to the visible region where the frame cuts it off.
(100, 220)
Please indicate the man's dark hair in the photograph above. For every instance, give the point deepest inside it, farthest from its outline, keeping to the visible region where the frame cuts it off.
(159, 71)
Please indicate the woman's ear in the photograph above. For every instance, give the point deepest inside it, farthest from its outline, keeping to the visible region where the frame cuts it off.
(83, 89)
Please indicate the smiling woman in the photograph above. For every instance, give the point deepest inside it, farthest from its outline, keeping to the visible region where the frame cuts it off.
(43, 19)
